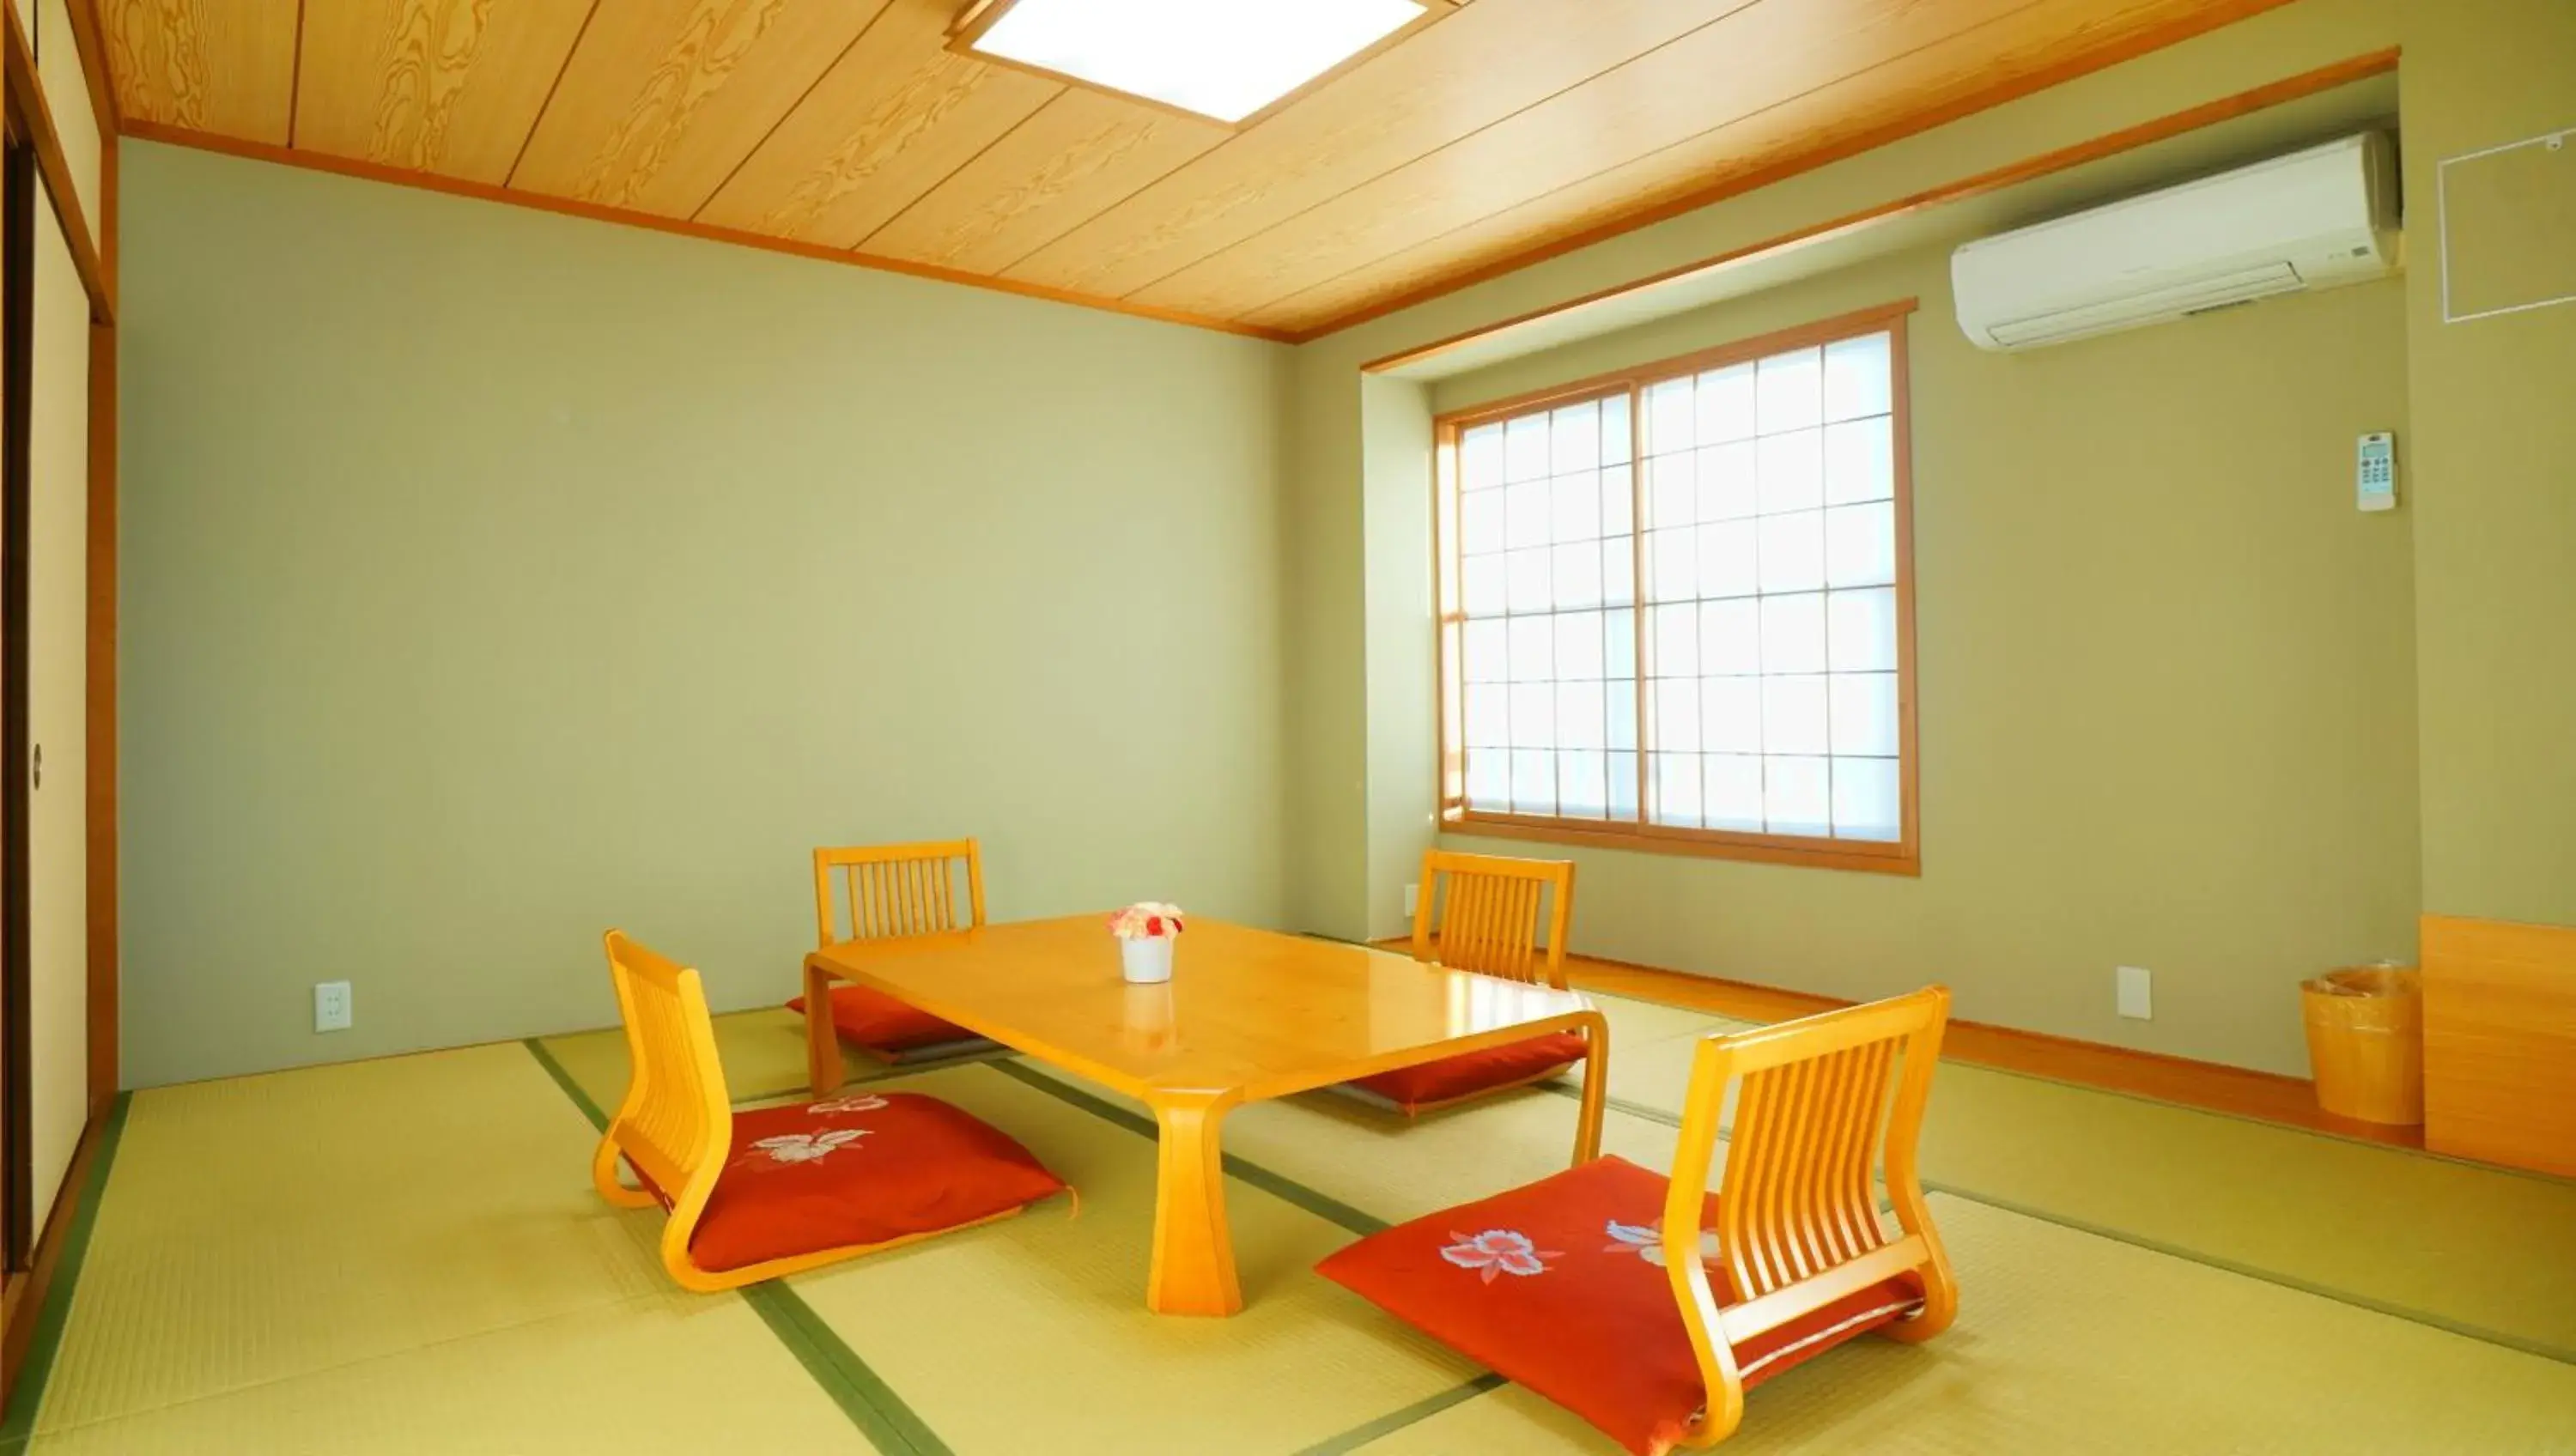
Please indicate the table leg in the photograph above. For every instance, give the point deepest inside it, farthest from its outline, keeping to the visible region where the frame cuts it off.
(1596, 1088)
(1193, 1269)
(822, 1040)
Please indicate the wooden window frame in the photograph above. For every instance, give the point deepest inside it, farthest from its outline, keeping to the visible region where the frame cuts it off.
(1900, 856)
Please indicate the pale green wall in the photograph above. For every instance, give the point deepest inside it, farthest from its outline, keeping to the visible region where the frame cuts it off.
(2165, 677)
(2493, 467)
(1330, 669)
(1403, 766)
(2323, 864)
(492, 578)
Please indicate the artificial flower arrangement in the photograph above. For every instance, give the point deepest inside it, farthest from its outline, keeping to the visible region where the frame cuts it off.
(1145, 932)
(1146, 919)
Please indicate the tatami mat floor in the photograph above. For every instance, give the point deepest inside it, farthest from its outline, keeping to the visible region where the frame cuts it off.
(404, 1256)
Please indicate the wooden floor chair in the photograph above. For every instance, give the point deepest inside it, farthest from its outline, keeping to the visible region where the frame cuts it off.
(1649, 1307)
(893, 890)
(765, 1192)
(1482, 913)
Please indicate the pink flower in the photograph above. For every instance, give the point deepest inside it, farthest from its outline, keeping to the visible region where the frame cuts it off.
(1498, 1251)
(1146, 920)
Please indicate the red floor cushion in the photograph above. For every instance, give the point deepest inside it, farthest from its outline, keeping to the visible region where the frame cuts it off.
(858, 1169)
(1560, 1286)
(869, 1018)
(1428, 1084)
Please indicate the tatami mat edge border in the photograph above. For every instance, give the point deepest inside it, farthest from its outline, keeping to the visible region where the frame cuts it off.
(19, 1421)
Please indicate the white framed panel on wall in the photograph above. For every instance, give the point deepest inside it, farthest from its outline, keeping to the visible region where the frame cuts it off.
(57, 708)
(2506, 216)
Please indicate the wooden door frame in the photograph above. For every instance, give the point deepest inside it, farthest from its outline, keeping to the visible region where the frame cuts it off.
(18, 184)
(30, 117)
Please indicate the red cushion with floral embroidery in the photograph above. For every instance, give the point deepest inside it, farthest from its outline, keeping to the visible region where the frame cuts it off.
(1428, 1084)
(867, 1017)
(1560, 1286)
(855, 1170)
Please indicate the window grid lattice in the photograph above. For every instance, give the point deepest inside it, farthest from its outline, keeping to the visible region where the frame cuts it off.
(1732, 535)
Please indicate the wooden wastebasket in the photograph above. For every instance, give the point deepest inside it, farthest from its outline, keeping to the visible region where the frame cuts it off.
(2366, 1042)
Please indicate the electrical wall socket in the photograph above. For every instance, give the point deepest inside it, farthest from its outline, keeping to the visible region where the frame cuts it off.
(2137, 993)
(331, 1006)
(1411, 892)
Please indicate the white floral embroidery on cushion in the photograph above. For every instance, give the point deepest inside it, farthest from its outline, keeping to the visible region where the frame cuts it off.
(803, 1147)
(1499, 1251)
(846, 1104)
(1646, 1241)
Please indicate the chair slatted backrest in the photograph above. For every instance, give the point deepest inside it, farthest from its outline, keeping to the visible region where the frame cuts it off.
(1820, 1102)
(676, 1123)
(896, 889)
(1482, 912)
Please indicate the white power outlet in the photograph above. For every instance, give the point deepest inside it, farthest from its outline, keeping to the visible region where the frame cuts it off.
(2137, 993)
(1411, 893)
(331, 1006)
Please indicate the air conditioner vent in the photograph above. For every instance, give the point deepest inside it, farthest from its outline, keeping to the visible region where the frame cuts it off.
(2313, 219)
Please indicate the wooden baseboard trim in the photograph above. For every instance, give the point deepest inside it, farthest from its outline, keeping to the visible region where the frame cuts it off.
(34, 1304)
(2209, 1086)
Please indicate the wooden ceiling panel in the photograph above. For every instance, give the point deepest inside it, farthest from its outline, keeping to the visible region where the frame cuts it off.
(666, 97)
(221, 66)
(1756, 58)
(1468, 71)
(1080, 154)
(430, 85)
(893, 118)
(1506, 131)
(1961, 73)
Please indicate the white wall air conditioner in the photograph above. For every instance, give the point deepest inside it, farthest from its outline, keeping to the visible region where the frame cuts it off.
(2313, 219)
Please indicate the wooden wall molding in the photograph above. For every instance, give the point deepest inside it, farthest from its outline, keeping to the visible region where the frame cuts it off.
(683, 227)
(2143, 43)
(2162, 128)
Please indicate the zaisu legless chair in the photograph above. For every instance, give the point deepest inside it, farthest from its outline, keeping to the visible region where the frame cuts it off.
(1477, 912)
(756, 1194)
(892, 890)
(1648, 1307)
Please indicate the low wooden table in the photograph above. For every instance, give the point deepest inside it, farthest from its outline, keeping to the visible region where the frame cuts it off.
(1249, 1014)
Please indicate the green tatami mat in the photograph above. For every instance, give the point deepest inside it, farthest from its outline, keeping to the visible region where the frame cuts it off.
(763, 1053)
(2479, 1249)
(395, 1256)
(2069, 1344)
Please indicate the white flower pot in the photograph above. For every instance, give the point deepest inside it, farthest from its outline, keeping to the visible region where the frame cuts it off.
(1146, 960)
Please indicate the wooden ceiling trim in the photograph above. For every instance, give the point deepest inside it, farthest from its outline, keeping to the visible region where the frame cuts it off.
(1076, 157)
(1896, 98)
(208, 65)
(151, 131)
(2174, 124)
(295, 75)
(1486, 63)
(1760, 57)
(450, 89)
(95, 67)
(663, 102)
(1355, 305)
(896, 116)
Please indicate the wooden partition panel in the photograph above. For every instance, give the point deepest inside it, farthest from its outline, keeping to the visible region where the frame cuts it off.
(2500, 1042)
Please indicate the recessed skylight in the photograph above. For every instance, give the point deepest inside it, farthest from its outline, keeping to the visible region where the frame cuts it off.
(1221, 58)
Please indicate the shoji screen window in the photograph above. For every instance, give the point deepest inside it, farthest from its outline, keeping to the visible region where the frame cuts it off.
(1545, 588)
(1676, 606)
